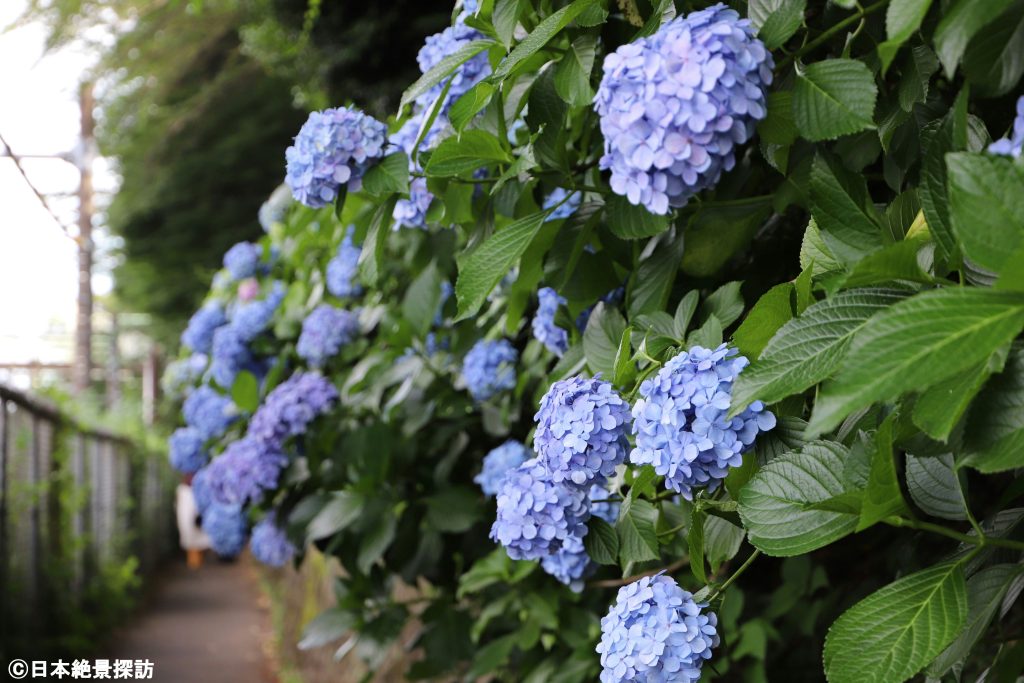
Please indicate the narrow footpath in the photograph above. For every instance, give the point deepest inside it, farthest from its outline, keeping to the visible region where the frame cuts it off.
(199, 626)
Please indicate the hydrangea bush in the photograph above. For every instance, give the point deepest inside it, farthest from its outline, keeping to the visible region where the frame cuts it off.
(746, 278)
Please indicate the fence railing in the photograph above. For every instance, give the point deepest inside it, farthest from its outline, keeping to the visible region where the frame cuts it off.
(83, 512)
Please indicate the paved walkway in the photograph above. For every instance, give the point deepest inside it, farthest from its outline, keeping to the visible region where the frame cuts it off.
(199, 626)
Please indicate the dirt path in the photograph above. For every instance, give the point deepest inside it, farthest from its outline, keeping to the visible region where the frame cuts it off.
(199, 626)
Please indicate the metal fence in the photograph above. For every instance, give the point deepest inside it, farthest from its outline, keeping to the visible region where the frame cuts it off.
(78, 506)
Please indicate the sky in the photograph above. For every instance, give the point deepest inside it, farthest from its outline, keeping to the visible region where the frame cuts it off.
(38, 262)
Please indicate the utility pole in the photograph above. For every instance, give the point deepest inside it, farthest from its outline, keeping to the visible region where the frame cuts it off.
(83, 327)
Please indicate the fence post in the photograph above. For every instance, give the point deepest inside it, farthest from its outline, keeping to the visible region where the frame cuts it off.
(4, 543)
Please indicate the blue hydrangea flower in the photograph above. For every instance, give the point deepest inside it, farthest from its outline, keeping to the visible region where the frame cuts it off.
(553, 337)
(656, 632)
(600, 506)
(469, 8)
(344, 267)
(680, 420)
(198, 335)
(291, 406)
(201, 491)
(250, 319)
(565, 210)
(571, 564)
(490, 368)
(269, 543)
(1011, 146)
(324, 332)
(230, 355)
(581, 430)
(181, 373)
(209, 412)
(674, 106)
(185, 450)
(412, 212)
(227, 528)
(276, 207)
(537, 516)
(245, 469)
(335, 147)
(498, 463)
(242, 260)
(471, 72)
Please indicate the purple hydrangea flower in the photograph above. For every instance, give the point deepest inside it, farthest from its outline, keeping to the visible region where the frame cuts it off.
(680, 420)
(655, 631)
(498, 463)
(248, 289)
(1011, 146)
(553, 337)
(269, 543)
(185, 450)
(471, 72)
(230, 355)
(227, 528)
(208, 412)
(201, 491)
(242, 260)
(334, 148)
(490, 368)
(674, 106)
(537, 516)
(198, 335)
(250, 319)
(565, 210)
(291, 406)
(571, 564)
(324, 332)
(245, 469)
(343, 268)
(581, 430)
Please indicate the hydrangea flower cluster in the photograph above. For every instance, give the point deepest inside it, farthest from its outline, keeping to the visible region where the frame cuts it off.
(248, 289)
(553, 337)
(412, 212)
(571, 564)
(201, 491)
(680, 420)
(324, 332)
(230, 354)
(209, 413)
(185, 450)
(198, 335)
(227, 528)
(342, 269)
(334, 148)
(581, 430)
(537, 516)
(242, 260)
(250, 319)
(656, 632)
(471, 72)
(245, 469)
(1011, 146)
(567, 209)
(490, 368)
(291, 406)
(183, 372)
(269, 543)
(498, 463)
(674, 105)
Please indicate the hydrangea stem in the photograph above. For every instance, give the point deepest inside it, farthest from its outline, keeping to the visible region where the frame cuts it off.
(978, 540)
(828, 34)
(735, 575)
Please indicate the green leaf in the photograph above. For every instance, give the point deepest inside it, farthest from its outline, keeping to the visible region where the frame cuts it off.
(652, 284)
(245, 391)
(327, 627)
(915, 76)
(376, 540)
(807, 349)
(937, 140)
(343, 508)
(504, 19)
(463, 154)
(940, 407)
(709, 335)
(772, 311)
(390, 175)
(716, 233)
(638, 541)
(695, 543)
(898, 261)
(935, 487)
(443, 69)
(902, 19)
(422, 300)
(722, 540)
(776, 20)
(959, 24)
(625, 369)
(986, 206)
(453, 510)
(994, 439)
(684, 313)
(834, 97)
(916, 343)
(470, 104)
(483, 268)
(538, 38)
(985, 593)
(994, 63)
(903, 626)
(631, 222)
(572, 73)
(882, 498)
(601, 339)
(601, 542)
(843, 211)
(726, 303)
(814, 253)
(775, 504)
